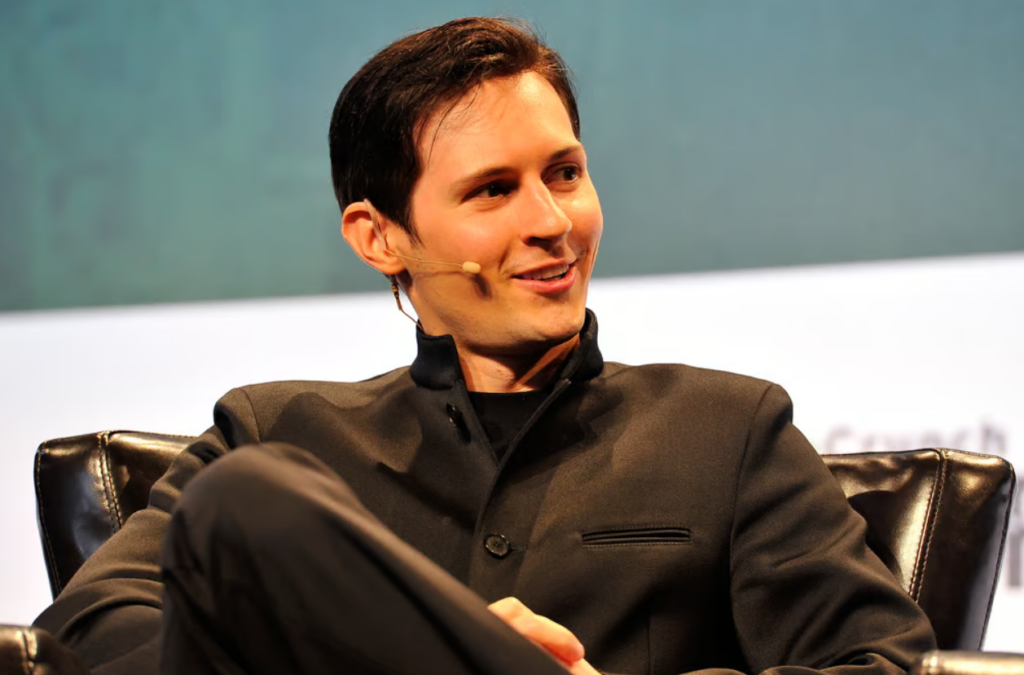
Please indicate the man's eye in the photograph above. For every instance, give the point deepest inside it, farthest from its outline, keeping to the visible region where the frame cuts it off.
(492, 190)
(569, 173)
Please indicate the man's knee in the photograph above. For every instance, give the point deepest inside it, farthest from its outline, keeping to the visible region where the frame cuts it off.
(253, 497)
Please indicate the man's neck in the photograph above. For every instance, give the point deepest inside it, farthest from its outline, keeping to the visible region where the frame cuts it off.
(503, 373)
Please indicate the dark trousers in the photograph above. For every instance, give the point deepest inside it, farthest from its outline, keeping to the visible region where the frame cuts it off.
(272, 565)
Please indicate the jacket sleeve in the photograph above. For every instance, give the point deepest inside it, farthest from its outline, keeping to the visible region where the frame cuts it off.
(110, 611)
(807, 593)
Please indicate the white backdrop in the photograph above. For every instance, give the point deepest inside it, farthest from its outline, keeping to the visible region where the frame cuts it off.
(876, 356)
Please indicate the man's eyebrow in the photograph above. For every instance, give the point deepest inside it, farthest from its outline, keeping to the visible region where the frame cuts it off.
(567, 150)
(467, 182)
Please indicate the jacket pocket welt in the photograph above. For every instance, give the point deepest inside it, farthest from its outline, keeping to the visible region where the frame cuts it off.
(637, 536)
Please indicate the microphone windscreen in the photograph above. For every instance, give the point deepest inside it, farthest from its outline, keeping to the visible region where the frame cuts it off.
(471, 267)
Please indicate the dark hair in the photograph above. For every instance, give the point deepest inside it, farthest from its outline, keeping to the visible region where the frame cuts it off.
(382, 110)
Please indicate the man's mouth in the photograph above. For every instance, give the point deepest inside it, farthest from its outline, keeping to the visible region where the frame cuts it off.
(547, 273)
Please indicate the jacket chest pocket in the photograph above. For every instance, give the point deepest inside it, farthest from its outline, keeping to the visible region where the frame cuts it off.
(647, 535)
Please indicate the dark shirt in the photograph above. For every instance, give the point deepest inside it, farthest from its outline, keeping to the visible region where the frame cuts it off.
(504, 415)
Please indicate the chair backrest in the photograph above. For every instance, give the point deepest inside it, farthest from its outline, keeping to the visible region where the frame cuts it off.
(87, 487)
(938, 518)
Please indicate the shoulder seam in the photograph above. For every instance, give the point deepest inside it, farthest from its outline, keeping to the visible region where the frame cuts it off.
(743, 462)
(252, 409)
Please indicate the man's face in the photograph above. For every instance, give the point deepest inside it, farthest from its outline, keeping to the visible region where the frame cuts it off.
(505, 184)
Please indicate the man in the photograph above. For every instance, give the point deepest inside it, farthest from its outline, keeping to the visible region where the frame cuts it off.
(656, 519)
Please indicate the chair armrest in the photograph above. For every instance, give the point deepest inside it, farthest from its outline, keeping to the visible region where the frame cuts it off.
(26, 649)
(968, 663)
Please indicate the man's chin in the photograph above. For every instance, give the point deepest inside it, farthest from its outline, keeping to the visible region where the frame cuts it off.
(562, 339)
(535, 346)
(567, 328)
(525, 334)
(547, 337)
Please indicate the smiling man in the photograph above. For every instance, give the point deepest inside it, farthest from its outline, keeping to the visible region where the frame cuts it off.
(504, 184)
(510, 503)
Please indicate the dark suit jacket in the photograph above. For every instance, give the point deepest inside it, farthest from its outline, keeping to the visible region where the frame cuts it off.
(673, 518)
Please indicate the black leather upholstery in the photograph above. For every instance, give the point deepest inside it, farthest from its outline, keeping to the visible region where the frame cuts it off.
(32, 651)
(968, 663)
(933, 516)
(936, 516)
(87, 486)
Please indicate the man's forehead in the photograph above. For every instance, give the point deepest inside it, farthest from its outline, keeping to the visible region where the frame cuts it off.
(481, 120)
(485, 105)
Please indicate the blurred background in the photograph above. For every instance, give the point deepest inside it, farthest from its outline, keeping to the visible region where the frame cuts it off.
(826, 194)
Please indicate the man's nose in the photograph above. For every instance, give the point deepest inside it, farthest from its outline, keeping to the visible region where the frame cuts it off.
(544, 218)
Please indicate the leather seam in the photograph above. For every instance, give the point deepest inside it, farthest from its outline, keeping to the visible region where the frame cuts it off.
(28, 660)
(51, 558)
(33, 650)
(933, 518)
(930, 664)
(108, 485)
(999, 557)
(114, 432)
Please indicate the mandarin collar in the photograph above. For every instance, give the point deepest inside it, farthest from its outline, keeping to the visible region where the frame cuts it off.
(437, 359)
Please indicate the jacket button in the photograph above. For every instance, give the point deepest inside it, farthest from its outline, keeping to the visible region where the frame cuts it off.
(497, 545)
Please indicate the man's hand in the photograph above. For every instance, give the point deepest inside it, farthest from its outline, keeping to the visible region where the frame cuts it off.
(553, 638)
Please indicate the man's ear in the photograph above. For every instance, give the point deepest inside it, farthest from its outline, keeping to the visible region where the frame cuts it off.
(365, 229)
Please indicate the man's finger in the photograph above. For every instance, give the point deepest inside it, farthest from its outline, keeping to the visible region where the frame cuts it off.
(542, 631)
(553, 637)
(581, 667)
(509, 608)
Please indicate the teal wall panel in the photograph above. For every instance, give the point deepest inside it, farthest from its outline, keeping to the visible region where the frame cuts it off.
(161, 152)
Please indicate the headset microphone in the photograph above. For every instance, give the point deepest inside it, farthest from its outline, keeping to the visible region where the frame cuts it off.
(468, 267)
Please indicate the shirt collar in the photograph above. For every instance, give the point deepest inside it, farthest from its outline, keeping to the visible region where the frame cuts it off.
(437, 359)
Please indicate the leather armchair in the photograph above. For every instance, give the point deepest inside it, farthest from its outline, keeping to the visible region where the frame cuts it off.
(88, 486)
(968, 663)
(933, 515)
(32, 651)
